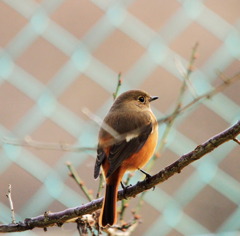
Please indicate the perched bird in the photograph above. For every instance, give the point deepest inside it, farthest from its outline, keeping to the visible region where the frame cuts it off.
(127, 140)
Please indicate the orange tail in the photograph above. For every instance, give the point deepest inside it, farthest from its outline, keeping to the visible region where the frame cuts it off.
(109, 209)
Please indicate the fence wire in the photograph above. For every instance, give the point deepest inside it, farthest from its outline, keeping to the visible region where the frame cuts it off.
(59, 57)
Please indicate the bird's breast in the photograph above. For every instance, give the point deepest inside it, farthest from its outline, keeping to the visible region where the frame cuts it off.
(140, 159)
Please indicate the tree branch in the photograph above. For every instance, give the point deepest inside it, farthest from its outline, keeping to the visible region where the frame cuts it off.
(202, 97)
(74, 174)
(115, 94)
(59, 218)
(9, 196)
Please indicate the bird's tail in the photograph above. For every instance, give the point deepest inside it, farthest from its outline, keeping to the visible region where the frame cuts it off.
(108, 214)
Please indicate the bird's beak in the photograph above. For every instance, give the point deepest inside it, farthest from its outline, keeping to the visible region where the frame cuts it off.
(153, 98)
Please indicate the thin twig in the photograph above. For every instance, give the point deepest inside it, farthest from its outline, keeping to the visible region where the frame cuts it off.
(9, 196)
(101, 123)
(61, 217)
(178, 105)
(76, 177)
(171, 120)
(206, 95)
(174, 114)
(124, 202)
(100, 185)
(115, 94)
(236, 140)
(29, 142)
(186, 78)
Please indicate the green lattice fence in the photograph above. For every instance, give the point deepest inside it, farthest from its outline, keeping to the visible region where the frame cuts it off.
(58, 57)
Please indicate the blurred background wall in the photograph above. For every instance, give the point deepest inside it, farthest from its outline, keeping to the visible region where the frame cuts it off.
(58, 57)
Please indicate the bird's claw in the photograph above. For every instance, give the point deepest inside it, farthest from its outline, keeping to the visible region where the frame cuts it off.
(124, 189)
(147, 176)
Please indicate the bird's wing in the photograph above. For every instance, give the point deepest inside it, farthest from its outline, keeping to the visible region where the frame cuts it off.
(101, 155)
(127, 147)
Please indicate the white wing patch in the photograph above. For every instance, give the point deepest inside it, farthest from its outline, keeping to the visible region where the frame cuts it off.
(129, 137)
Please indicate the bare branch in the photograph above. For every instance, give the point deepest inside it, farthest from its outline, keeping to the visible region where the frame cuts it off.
(58, 218)
(100, 122)
(76, 177)
(207, 95)
(29, 142)
(101, 185)
(237, 141)
(9, 196)
(115, 94)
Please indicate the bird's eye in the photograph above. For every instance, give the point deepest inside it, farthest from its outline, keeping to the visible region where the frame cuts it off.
(141, 99)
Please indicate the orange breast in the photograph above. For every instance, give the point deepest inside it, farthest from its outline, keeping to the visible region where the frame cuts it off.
(138, 160)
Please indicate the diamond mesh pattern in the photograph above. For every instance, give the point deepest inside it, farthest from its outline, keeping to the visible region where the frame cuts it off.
(59, 57)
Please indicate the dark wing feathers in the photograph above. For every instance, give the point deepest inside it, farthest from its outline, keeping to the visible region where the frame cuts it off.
(122, 150)
(100, 157)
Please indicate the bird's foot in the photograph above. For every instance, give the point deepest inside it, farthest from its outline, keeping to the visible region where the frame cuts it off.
(124, 189)
(147, 176)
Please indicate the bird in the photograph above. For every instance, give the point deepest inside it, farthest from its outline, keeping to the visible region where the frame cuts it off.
(127, 140)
